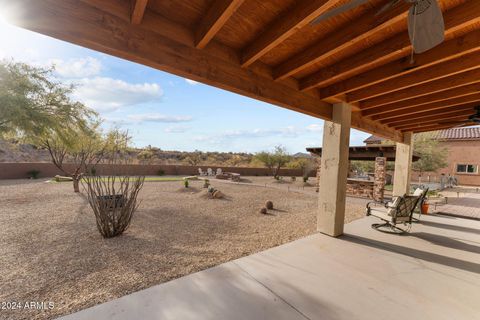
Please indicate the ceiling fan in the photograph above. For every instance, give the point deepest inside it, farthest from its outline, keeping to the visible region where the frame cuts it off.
(426, 27)
(473, 119)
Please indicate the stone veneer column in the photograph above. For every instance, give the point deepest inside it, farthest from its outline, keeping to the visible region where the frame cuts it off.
(379, 178)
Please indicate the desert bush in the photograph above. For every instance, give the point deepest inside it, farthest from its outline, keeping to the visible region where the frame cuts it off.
(185, 183)
(160, 172)
(305, 179)
(263, 211)
(206, 183)
(33, 174)
(113, 200)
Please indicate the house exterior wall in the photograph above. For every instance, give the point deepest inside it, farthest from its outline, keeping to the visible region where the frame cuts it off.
(459, 152)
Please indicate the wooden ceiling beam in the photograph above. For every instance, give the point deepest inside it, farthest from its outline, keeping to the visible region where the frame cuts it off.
(214, 19)
(455, 19)
(392, 121)
(376, 112)
(341, 38)
(283, 27)
(138, 10)
(410, 112)
(75, 22)
(432, 73)
(458, 117)
(457, 80)
(446, 51)
(436, 126)
(434, 115)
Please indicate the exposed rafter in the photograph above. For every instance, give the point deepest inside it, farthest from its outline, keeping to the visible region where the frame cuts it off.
(438, 71)
(443, 97)
(283, 27)
(436, 127)
(443, 112)
(411, 112)
(448, 50)
(214, 19)
(351, 33)
(460, 111)
(138, 10)
(461, 79)
(457, 18)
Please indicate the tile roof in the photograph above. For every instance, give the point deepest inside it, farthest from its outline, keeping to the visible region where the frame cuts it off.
(470, 133)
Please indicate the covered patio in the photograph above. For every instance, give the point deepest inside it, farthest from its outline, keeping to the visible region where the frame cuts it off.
(354, 70)
(433, 273)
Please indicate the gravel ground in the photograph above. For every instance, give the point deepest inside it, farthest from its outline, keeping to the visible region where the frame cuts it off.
(51, 250)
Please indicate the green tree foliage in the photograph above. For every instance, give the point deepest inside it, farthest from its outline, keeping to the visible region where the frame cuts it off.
(274, 160)
(32, 103)
(433, 156)
(306, 165)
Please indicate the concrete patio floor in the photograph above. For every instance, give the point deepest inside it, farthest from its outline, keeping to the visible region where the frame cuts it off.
(431, 273)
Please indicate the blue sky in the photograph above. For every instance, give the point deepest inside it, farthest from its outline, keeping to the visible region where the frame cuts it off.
(161, 109)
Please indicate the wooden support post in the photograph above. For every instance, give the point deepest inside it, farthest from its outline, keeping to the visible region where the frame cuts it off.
(333, 176)
(403, 165)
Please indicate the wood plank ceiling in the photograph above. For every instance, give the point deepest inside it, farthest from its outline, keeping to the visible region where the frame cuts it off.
(268, 50)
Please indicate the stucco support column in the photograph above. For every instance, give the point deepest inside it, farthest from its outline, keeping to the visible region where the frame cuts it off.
(403, 165)
(334, 171)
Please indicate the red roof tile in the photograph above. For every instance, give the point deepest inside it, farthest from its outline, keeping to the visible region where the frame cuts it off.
(471, 133)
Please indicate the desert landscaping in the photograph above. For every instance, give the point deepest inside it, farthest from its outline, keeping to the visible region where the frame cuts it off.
(52, 249)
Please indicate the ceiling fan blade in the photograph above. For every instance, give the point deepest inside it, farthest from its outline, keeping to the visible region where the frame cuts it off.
(426, 27)
(338, 10)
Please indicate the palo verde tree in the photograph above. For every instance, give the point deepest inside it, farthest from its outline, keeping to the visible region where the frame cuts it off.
(274, 160)
(33, 103)
(74, 153)
(432, 155)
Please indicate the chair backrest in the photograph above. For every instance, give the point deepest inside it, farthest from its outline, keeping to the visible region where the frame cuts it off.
(200, 171)
(406, 205)
(219, 170)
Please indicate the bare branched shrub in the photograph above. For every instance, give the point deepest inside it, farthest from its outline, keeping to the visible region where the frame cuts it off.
(114, 201)
(113, 198)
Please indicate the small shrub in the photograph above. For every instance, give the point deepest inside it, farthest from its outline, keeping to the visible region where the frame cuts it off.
(113, 210)
(185, 183)
(263, 210)
(160, 172)
(206, 183)
(269, 205)
(293, 178)
(33, 174)
(93, 171)
(305, 179)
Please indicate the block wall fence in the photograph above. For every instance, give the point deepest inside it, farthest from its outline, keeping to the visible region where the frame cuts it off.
(19, 170)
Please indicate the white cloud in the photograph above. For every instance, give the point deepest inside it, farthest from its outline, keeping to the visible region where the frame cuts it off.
(315, 128)
(176, 129)
(157, 117)
(192, 82)
(77, 68)
(257, 133)
(107, 94)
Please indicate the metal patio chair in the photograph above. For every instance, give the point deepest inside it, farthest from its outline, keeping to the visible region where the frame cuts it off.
(398, 211)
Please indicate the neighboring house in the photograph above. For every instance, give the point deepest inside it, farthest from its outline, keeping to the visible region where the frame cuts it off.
(463, 158)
